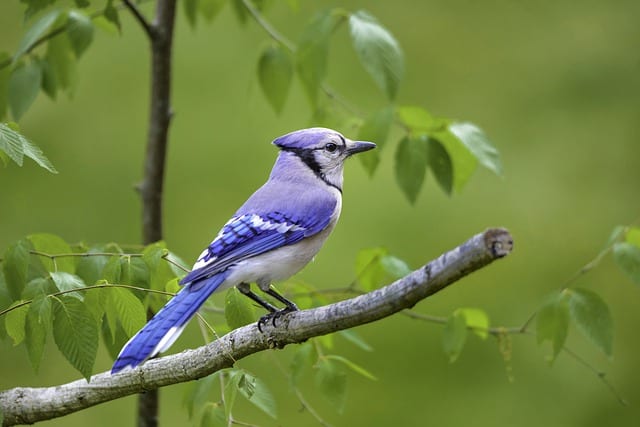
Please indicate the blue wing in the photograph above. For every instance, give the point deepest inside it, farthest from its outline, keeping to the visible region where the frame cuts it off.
(249, 235)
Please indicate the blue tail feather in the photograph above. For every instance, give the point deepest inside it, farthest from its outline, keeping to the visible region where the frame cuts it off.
(165, 327)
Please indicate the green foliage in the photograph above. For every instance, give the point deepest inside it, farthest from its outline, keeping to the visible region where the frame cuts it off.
(24, 85)
(238, 309)
(592, 317)
(331, 381)
(454, 334)
(16, 146)
(627, 254)
(411, 165)
(275, 72)
(552, 323)
(375, 128)
(378, 51)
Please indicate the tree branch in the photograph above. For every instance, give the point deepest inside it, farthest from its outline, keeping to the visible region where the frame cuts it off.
(25, 405)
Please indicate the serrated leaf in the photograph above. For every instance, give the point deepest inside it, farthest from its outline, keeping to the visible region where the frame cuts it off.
(15, 321)
(275, 70)
(113, 340)
(90, 267)
(134, 271)
(17, 146)
(375, 129)
(112, 270)
(303, 358)
(331, 380)
(394, 266)
(37, 325)
(35, 32)
(68, 282)
(238, 309)
(76, 334)
(197, 393)
(15, 266)
(37, 287)
(96, 302)
(24, 85)
(552, 324)
(353, 366)
(80, 30)
(370, 272)
(441, 165)
(378, 51)
(312, 53)
(411, 161)
(479, 145)
(256, 391)
(53, 245)
(454, 335)
(627, 257)
(124, 307)
(592, 317)
(354, 338)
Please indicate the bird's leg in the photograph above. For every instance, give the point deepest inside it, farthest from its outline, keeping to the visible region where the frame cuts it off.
(246, 290)
(274, 315)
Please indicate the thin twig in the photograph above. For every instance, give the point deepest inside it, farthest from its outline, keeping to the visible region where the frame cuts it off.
(135, 11)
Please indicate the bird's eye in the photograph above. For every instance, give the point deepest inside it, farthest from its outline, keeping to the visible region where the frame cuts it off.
(331, 147)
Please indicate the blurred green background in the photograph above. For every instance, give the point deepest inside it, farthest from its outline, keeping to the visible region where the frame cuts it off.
(556, 86)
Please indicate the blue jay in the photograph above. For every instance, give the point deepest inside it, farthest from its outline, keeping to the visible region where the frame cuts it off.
(277, 231)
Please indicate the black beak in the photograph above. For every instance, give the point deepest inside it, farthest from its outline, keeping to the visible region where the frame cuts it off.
(354, 147)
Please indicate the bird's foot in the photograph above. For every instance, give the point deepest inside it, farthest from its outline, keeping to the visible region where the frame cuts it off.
(275, 315)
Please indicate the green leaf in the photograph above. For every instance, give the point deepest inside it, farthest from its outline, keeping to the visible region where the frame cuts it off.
(125, 307)
(61, 58)
(90, 267)
(302, 359)
(197, 393)
(112, 270)
(17, 146)
(353, 366)
(80, 30)
(53, 245)
(37, 326)
(5, 302)
(454, 335)
(213, 415)
(412, 156)
(4, 84)
(633, 236)
(134, 271)
(354, 338)
(190, 11)
(230, 391)
(211, 8)
(113, 340)
(394, 266)
(476, 320)
(275, 71)
(24, 85)
(313, 51)
(15, 266)
(15, 321)
(35, 32)
(376, 129)
(552, 324)
(238, 309)
(96, 302)
(332, 382)
(627, 257)
(378, 52)
(592, 317)
(477, 142)
(463, 162)
(111, 15)
(417, 119)
(441, 165)
(82, 3)
(370, 272)
(76, 333)
(159, 270)
(67, 282)
(257, 392)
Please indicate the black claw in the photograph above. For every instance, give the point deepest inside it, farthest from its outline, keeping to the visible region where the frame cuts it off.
(273, 316)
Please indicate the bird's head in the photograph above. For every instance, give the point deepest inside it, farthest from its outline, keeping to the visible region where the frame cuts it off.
(323, 151)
